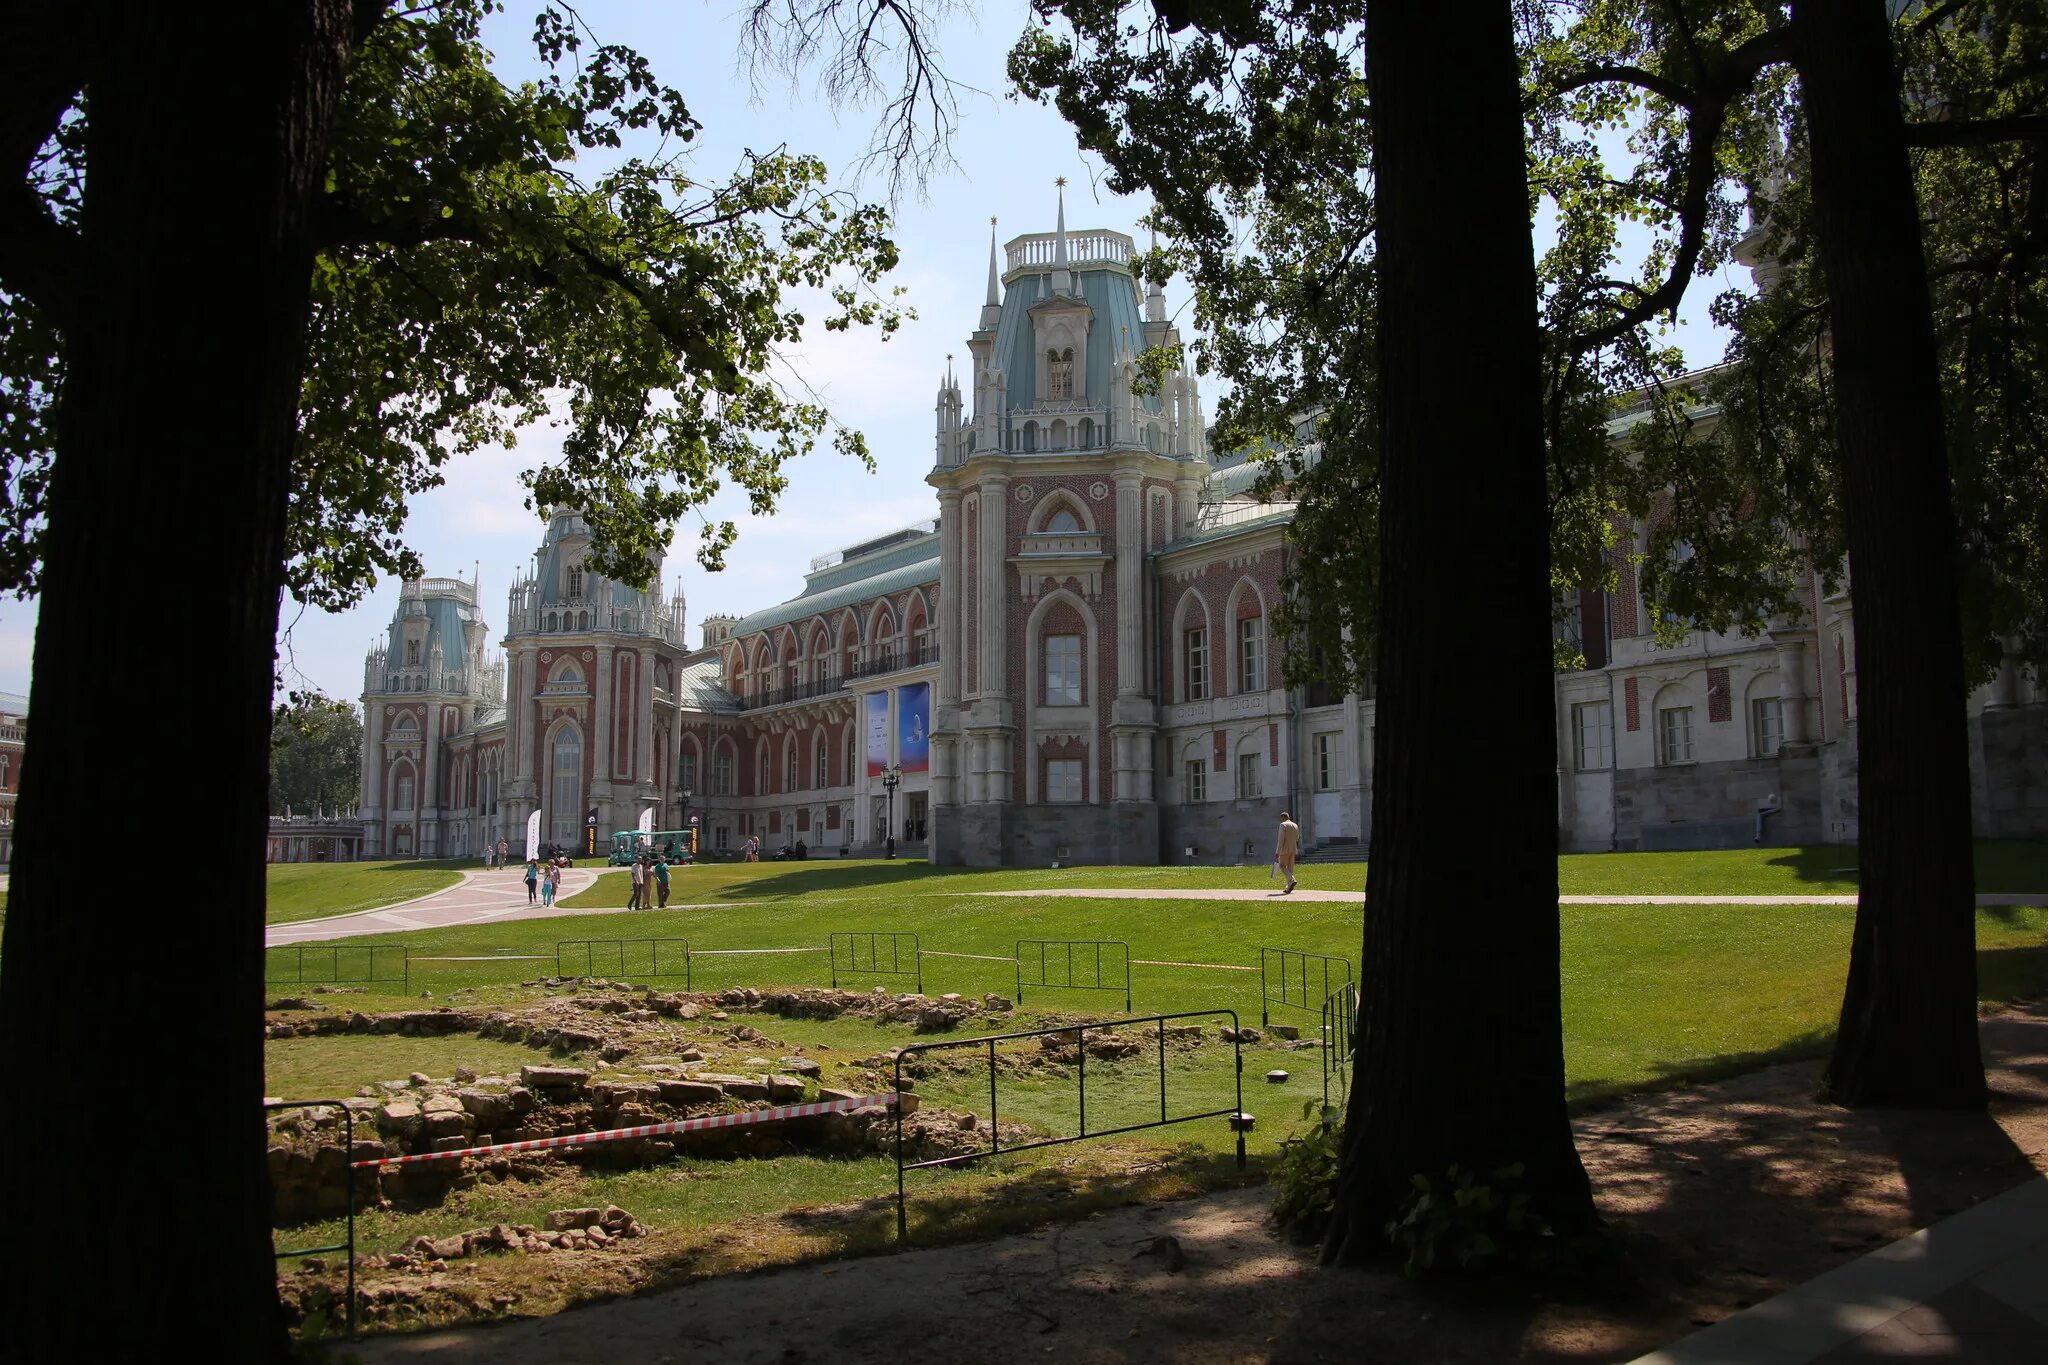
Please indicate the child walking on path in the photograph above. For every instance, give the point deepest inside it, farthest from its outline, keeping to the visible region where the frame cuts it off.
(550, 879)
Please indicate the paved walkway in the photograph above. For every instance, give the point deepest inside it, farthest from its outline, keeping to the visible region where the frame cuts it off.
(1973, 1287)
(1304, 894)
(481, 897)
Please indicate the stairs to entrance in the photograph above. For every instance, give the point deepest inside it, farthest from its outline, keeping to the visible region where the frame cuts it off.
(1341, 850)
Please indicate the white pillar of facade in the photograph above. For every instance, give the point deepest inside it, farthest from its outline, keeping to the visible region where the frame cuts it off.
(950, 534)
(643, 719)
(993, 627)
(525, 687)
(1793, 690)
(1130, 563)
(429, 802)
(1186, 493)
(373, 760)
(603, 762)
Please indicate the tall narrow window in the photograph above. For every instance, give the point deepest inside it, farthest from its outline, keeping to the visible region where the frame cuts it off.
(572, 581)
(1327, 757)
(1593, 728)
(1062, 670)
(686, 772)
(1059, 370)
(402, 798)
(1197, 677)
(1767, 725)
(821, 761)
(1674, 732)
(565, 818)
(1251, 654)
(1197, 781)
(722, 774)
(412, 653)
(1063, 779)
(789, 771)
(1248, 765)
(766, 773)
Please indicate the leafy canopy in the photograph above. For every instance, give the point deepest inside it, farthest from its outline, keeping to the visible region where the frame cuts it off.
(492, 257)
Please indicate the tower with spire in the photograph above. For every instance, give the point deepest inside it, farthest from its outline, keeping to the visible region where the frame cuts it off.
(1073, 468)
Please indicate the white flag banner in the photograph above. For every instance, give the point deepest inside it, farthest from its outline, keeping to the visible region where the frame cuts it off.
(647, 821)
(533, 836)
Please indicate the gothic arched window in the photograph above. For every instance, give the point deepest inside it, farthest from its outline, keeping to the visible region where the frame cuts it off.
(1063, 522)
(1059, 373)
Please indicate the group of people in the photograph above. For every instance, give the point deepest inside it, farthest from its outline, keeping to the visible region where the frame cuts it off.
(650, 879)
(543, 877)
(494, 854)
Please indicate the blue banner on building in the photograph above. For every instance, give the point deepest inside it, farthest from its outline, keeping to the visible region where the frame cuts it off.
(914, 727)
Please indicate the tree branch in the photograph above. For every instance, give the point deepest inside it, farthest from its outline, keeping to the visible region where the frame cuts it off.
(42, 69)
(1978, 132)
(1677, 92)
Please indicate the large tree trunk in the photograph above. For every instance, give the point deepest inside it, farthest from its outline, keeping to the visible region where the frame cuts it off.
(133, 951)
(1909, 1016)
(1461, 1056)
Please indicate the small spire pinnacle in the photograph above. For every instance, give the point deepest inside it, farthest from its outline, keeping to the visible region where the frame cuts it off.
(1059, 250)
(994, 298)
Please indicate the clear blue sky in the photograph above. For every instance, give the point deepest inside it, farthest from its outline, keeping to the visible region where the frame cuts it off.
(1008, 153)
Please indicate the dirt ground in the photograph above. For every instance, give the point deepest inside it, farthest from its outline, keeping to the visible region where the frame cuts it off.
(1721, 1195)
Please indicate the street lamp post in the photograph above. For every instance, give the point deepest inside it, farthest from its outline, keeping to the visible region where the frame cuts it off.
(689, 839)
(891, 775)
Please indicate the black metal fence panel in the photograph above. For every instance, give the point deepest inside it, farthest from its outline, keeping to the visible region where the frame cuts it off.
(1340, 1037)
(625, 959)
(322, 964)
(878, 953)
(1079, 1032)
(348, 1242)
(1299, 980)
(1074, 964)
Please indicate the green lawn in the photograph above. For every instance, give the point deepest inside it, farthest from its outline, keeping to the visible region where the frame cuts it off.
(1828, 869)
(314, 890)
(1650, 992)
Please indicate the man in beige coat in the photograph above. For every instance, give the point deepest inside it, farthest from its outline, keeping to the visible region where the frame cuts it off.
(1290, 844)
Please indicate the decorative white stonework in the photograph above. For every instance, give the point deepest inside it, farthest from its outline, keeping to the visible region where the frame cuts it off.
(1025, 492)
(1098, 490)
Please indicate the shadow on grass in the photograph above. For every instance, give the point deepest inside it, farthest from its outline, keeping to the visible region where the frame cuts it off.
(1595, 1094)
(1819, 862)
(2002, 865)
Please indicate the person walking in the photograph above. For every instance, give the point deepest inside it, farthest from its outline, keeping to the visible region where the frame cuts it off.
(1289, 845)
(753, 848)
(661, 880)
(532, 879)
(551, 878)
(638, 901)
(503, 849)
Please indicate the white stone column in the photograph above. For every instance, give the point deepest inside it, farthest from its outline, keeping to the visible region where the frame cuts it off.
(950, 594)
(429, 803)
(643, 719)
(1186, 492)
(994, 626)
(1130, 564)
(373, 760)
(525, 687)
(1794, 689)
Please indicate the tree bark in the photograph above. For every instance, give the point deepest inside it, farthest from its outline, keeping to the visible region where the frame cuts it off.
(1908, 1031)
(144, 1168)
(1461, 1057)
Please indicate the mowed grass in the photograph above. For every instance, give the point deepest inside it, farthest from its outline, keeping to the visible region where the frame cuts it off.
(1651, 993)
(299, 891)
(332, 1067)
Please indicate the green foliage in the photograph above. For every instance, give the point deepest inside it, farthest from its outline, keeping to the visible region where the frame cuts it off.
(1305, 1185)
(474, 278)
(1460, 1223)
(316, 752)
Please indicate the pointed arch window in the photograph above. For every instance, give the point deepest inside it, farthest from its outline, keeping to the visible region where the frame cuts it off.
(1063, 522)
(1059, 373)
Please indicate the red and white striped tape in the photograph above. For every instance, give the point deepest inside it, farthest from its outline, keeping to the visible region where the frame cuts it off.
(978, 957)
(1205, 966)
(740, 1120)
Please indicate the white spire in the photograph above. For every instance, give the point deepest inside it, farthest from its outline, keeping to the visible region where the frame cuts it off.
(995, 297)
(1155, 297)
(992, 306)
(1062, 278)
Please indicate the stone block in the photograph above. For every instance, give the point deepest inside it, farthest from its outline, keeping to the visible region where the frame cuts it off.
(801, 1066)
(786, 1088)
(553, 1077)
(691, 1092)
(562, 1220)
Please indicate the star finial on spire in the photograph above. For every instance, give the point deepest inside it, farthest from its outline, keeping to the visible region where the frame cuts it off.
(1060, 181)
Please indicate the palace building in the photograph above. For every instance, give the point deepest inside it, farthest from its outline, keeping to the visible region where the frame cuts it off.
(1071, 662)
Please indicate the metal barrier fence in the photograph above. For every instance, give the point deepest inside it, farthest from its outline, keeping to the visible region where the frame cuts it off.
(1340, 1036)
(628, 955)
(289, 964)
(876, 954)
(1305, 987)
(1051, 963)
(348, 1242)
(1239, 1121)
